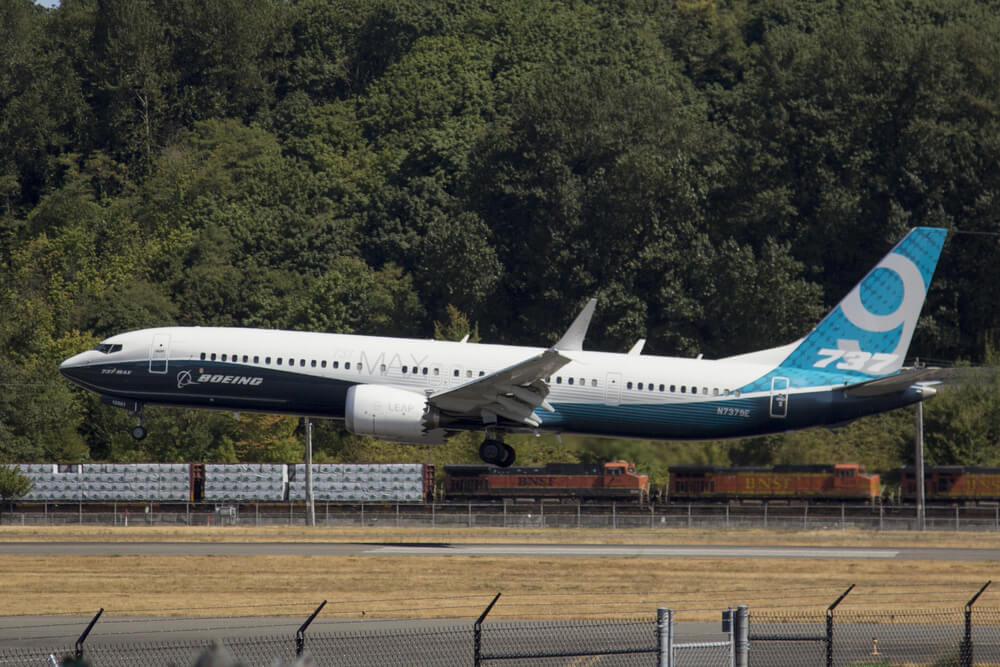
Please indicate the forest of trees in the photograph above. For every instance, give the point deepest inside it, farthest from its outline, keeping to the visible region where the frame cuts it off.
(716, 173)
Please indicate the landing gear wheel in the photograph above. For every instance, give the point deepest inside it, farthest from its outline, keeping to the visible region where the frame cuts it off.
(508, 457)
(138, 432)
(491, 451)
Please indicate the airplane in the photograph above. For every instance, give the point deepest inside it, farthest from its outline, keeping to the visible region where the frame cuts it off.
(424, 391)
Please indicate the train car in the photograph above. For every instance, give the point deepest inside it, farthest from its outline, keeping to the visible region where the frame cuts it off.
(613, 481)
(952, 483)
(839, 482)
(228, 482)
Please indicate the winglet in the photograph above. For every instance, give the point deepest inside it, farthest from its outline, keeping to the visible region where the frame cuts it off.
(573, 338)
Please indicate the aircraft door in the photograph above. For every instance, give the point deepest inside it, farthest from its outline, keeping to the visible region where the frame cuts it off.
(613, 389)
(158, 353)
(779, 397)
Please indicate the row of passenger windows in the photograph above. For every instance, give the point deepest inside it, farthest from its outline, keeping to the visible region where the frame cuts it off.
(312, 363)
(278, 361)
(425, 370)
(684, 389)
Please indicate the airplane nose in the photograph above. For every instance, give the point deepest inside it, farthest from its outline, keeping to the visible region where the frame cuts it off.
(68, 366)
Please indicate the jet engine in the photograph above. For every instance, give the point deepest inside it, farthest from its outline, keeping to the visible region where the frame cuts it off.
(392, 414)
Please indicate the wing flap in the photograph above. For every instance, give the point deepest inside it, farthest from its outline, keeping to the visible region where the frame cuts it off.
(513, 392)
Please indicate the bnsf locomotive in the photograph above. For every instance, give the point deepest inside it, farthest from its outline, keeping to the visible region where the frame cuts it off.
(843, 481)
(578, 481)
(952, 483)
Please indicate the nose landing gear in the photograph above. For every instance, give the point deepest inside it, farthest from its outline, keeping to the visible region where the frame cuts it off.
(137, 431)
(497, 452)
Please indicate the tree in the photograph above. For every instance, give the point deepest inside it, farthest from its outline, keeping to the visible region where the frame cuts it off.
(13, 483)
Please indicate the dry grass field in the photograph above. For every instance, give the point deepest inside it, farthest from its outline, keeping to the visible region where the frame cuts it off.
(374, 587)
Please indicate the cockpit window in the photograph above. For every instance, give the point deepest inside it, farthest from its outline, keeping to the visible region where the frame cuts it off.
(108, 348)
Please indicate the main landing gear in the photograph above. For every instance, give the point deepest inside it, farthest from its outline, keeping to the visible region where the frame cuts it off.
(496, 452)
(138, 432)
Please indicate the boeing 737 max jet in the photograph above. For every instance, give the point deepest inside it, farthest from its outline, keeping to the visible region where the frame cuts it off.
(423, 391)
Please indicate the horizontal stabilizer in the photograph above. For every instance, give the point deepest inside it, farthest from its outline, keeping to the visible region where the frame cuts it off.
(892, 384)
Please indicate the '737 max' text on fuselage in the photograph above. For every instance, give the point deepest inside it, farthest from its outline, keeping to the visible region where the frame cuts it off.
(423, 391)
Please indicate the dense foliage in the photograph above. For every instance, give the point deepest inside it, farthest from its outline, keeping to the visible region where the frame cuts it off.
(716, 173)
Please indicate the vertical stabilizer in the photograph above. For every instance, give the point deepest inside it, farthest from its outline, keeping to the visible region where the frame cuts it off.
(868, 333)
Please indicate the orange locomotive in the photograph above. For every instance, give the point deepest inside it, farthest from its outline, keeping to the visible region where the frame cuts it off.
(616, 480)
(843, 481)
(964, 483)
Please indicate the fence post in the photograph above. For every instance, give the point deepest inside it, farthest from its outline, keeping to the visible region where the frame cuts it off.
(300, 634)
(829, 625)
(741, 631)
(664, 637)
(965, 651)
(83, 637)
(477, 634)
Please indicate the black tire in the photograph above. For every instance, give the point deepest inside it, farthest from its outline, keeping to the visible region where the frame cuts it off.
(491, 451)
(138, 433)
(509, 455)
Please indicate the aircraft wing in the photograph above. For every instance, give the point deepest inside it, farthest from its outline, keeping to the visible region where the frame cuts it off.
(894, 383)
(513, 392)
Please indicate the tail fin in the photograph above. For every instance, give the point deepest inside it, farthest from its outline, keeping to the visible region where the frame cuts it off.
(868, 333)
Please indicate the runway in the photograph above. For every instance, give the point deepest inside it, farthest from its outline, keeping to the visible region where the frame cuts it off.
(490, 550)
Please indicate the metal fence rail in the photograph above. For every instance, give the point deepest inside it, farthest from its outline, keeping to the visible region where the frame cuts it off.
(513, 515)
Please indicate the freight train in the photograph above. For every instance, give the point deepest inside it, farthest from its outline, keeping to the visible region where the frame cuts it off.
(415, 483)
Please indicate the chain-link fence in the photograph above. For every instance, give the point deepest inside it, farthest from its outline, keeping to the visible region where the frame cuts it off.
(948, 638)
(844, 638)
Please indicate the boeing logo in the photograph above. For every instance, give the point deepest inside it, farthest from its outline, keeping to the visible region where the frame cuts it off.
(184, 379)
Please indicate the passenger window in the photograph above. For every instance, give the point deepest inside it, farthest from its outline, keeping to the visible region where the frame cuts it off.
(558, 379)
(436, 371)
(256, 359)
(336, 364)
(468, 374)
(482, 373)
(323, 363)
(455, 373)
(683, 389)
(278, 361)
(313, 363)
(404, 370)
(223, 357)
(628, 385)
(704, 391)
(737, 393)
(245, 358)
(347, 365)
(569, 380)
(424, 371)
(726, 391)
(651, 388)
(662, 387)
(639, 386)
(382, 368)
(673, 388)
(715, 392)
(291, 362)
(267, 360)
(583, 382)
(213, 356)
(203, 356)
(302, 362)
(593, 383)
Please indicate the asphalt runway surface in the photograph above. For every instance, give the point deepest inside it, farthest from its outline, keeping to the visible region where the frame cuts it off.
(505, 550)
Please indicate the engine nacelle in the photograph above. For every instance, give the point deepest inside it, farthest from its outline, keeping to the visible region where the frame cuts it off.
(392, 414)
